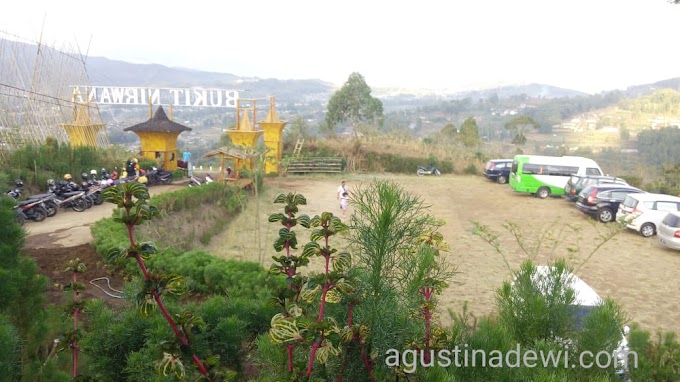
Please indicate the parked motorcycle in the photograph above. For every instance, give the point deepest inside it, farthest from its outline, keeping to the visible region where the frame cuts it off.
(424, 170)
(66, 198)
(33, 209)
(156, 176)
(196, 181)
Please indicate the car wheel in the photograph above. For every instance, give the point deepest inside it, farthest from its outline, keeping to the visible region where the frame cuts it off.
(543, 192)
(502, 179)
(647, 230)
(605, 215)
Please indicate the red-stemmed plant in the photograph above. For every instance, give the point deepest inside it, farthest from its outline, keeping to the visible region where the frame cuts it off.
(134, 209)
(74, 267)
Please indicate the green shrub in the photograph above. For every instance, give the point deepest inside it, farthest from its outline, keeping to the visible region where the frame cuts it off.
(191, 197)
(178, 174)
(658, 355)
(114, 340)
(471, 169)
(10, 350)
(35, 164)
(633, 180)
(395, 163)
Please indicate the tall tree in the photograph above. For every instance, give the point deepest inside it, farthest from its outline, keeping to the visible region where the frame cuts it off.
(353, 103)
(449, 131)
(520, 125)
(469, 132)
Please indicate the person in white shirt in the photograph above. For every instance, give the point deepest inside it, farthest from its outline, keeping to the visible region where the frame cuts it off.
(342, 188)
(343, 202)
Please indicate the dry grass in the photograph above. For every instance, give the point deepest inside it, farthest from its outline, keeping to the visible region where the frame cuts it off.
(637, 272)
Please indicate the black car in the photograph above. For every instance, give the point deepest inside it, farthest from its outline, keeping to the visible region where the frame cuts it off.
(602, 201)
(498, 170)
(577, 183)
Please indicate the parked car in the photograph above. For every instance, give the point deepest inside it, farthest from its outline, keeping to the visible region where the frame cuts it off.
(668, 232)
(602, 201)
(498, 170)
(585, 300)
(577, 183)
(644, 212)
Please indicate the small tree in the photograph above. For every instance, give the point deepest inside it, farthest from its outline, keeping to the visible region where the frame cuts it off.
(469, 132)
(449, 131)
(354, 103)
(520, 126)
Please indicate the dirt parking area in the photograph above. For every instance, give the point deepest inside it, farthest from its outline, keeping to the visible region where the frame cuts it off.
(635, 271)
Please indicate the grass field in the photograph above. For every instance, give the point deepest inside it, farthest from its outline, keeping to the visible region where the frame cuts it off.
(637, 272)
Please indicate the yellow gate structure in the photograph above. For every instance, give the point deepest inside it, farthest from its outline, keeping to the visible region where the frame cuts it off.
(245, 134)
(82, 132)
(273, 131)
(158, 137)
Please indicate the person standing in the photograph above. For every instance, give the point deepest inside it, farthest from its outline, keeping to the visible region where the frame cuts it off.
(187, 159)
(344, 199)
(342, 189)
(343, 195)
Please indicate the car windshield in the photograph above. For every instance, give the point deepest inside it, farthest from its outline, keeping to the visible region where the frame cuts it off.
(580, 313)
(630, 202)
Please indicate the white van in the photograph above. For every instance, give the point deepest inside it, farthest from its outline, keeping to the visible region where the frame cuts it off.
(644, 212)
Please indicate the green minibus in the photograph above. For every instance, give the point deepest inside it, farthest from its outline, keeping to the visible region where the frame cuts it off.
(547, 175)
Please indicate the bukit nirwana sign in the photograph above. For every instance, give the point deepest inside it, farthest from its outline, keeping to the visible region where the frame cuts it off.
(126, 95)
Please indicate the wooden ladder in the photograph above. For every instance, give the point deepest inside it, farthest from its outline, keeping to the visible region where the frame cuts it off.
(298, 147)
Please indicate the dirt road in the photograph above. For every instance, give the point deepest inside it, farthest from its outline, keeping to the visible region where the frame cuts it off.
(69, 228)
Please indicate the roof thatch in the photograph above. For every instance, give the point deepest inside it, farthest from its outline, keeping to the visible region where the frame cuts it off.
(229, 152)
(159, 123)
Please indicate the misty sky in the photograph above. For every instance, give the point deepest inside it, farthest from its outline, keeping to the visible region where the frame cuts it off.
(586, 45)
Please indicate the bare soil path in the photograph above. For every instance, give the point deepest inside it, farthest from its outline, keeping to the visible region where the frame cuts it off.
(65, 236)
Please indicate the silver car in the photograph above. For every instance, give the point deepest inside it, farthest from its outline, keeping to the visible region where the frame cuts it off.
(668, 232)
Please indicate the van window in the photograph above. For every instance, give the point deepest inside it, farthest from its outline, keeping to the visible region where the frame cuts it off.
(530, 168)
(666, 206)
(514, 167)
(593, 171)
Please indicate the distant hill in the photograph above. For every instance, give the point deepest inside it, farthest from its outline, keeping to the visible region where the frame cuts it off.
(103, 71)
(639, 90)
